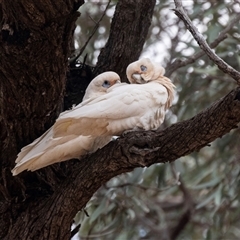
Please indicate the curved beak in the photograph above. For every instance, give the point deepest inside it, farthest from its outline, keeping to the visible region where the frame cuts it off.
(138, 78)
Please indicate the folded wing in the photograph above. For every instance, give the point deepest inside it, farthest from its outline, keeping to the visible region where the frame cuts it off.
(126, 107)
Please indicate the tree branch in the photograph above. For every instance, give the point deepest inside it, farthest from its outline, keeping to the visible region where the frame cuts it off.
(127, 36)
(178, 63)
(75, 230)
(222, 65)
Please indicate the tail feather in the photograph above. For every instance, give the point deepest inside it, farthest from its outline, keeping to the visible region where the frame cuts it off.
(53, 150)
(38, 144)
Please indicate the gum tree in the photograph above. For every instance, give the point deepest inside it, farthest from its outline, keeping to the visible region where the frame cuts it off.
(36, 41)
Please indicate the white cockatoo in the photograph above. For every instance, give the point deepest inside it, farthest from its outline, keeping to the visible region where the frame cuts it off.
(125, 107)
(48, 149)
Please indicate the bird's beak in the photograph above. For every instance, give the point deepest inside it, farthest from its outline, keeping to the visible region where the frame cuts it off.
(112, 83)
(137, 77)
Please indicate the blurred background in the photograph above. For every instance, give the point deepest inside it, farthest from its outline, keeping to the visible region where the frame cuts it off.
(155, 202)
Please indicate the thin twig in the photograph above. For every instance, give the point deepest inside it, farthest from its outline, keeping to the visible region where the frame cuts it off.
(86, 213)
(75, 230)
(178, 63)
(222, 65)
(92, 34)
(189, 206)
(181, 184)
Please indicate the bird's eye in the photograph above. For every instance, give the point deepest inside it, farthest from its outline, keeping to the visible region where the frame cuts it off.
(106, 84)
(143, 68)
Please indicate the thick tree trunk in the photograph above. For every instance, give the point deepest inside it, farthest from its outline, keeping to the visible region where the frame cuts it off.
(34, 47)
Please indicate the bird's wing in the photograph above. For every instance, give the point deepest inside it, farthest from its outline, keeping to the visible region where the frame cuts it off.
(58, 150)
(87, 102)
(126, 107)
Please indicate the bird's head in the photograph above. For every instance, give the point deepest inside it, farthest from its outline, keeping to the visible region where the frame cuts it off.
(100, 84)
(143, 71)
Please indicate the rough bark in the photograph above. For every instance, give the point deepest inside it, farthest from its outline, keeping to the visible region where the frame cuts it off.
(128, 33)
(78, 78)
(34, 47)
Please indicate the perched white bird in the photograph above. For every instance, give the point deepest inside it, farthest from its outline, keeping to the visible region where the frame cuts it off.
(144, 71)
(125, 107)
(48, 149)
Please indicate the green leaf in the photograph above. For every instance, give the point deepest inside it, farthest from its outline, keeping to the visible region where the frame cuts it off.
(211, 183)
(206, 201)
(98, 211)
(218, 195)
(208, 234)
